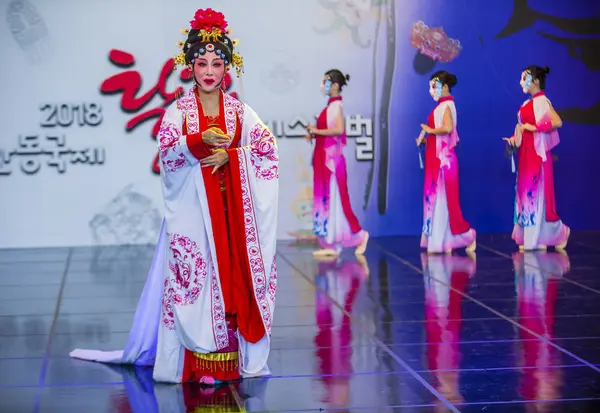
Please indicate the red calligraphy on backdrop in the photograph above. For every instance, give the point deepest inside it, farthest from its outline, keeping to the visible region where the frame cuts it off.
(129, 82)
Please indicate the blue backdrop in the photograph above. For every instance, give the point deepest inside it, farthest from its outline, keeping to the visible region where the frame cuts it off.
(499, 40)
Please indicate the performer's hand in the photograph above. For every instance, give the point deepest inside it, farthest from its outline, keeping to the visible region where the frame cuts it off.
(529, 127)
(215, 137)
(311, 129)
(308, 137)
(426, 128)
(219, 158)
(510, 141)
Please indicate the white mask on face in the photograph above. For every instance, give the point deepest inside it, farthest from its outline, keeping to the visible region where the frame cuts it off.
(435, 89)
(326, 87)
(526, 82)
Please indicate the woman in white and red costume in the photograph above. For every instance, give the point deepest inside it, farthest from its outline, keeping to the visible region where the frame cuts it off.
(537, 225)
(444, 228)
(335, 224)
(207, 308)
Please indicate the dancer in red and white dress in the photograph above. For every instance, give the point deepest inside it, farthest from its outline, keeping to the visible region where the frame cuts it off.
(537, 225)
(207, 308)
(335, 223)
(444, 228)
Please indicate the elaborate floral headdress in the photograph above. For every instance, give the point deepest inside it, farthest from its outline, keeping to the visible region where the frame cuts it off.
(209, 33)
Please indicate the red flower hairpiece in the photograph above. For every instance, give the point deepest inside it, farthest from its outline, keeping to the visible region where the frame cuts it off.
(208, 19)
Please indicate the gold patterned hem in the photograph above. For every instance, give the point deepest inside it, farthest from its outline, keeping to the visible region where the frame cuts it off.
(217, 361)
(217, 356)
(217, 409)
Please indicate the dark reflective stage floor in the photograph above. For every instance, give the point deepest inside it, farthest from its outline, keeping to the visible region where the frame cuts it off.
(399, 332)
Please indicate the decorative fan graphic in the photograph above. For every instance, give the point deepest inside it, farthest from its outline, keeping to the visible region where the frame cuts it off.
(433, 45)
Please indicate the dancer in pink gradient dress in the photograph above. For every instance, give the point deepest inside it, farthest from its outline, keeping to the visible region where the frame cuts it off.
(444, 228)
(335, 224)
(537, 224)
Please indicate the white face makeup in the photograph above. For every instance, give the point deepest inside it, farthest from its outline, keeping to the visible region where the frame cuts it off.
(209, 70)
(326, 86)
(526, 81)
(435, 89)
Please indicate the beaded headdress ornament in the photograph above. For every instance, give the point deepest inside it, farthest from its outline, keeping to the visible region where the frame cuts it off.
(208, 33)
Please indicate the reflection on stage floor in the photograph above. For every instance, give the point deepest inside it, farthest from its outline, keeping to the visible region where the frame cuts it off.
(395, 331)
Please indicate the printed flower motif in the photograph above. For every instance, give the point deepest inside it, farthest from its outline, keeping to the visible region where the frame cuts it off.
(207, 19)
(263, 143)
(264, 153)
(168, 135)
(264, 148)
(186, 276)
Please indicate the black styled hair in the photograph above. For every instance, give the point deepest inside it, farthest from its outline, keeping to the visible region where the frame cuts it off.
(445, 78)
(336, 76)
(538, 73)
(195, 47)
